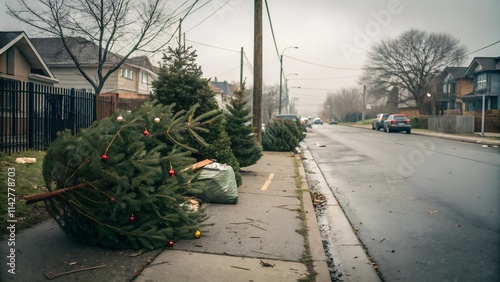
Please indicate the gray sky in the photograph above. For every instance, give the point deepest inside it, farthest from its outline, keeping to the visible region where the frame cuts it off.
(332, 35)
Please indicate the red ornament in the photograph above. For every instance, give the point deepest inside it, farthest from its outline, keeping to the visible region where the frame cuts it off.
(132, 218)
(104, 158)
(145, 132)
(170, 243)
(171, 172)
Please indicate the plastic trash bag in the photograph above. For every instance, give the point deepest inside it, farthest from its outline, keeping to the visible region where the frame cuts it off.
(219, 184)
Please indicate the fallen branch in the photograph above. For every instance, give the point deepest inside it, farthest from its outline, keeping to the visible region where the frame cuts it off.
(47, 195)
(51, 275)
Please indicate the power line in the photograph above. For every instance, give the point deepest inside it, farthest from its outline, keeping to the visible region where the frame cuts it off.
(175, 31)
(272, 30)
(319, 65)
(209, 16)
(482, 48)
(220, 48)
(324, 78)
(248, 62)
(228, 71)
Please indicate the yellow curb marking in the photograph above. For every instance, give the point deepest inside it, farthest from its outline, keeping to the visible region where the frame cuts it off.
(268, 181)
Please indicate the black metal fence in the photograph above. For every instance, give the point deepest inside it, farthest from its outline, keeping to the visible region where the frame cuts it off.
(32, 114)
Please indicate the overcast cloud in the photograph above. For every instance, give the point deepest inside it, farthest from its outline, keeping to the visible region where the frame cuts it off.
(332, 35)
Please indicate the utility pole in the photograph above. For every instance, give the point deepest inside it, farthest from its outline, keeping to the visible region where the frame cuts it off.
(257, 72)
(364, 103)
(180, 33)
(241, 69)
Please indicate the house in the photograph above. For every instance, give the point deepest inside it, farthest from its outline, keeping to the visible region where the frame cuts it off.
(454, 85)
(131, 81)
(485, 73)
(20, 61)
(223, 92)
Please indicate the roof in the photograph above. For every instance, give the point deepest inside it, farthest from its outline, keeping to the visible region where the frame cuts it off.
(54, 53)
(27, 48)
(141, 61)
(486, 64)
(224, 86)
(456, 72)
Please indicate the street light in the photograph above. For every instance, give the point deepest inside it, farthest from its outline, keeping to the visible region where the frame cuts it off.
(281, 73)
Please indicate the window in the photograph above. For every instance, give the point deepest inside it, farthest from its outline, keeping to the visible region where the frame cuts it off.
(145, 78)
(449, 88)
(10, 61)
(481, 81)
(127, 73)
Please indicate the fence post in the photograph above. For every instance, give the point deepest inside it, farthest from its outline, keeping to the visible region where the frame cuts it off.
(31, 115)
(72, 113)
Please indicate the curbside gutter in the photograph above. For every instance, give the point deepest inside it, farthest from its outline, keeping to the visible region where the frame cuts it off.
(347, 253)
(316, 249)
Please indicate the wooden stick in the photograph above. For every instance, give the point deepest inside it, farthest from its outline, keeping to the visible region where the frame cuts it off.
(51, 275)
(47, 195)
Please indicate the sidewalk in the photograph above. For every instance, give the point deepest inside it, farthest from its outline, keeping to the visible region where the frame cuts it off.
(258, 239)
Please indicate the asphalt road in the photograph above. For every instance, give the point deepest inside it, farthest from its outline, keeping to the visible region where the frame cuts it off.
(426, 209)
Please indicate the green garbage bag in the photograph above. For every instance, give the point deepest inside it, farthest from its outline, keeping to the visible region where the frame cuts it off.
(219, 184)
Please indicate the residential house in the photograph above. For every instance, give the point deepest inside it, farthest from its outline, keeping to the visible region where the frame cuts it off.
(454, 85)
(485, 73)
(131, 81)
(20, 61)
(223, 92)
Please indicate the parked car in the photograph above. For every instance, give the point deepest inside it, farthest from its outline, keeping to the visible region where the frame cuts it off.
(288, 116)
(317, 121)
(397, 122)
(332, 122)
(378, 121)
(305, 122)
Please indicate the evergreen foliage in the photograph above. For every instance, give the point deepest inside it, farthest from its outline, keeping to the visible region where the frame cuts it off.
(282, 136)
(244, 144)
(128, 200)
(180, 81)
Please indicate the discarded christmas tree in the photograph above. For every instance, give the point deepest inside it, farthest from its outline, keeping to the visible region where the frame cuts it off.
(180, 81)
(122, 182)
(282, 136)
(244, 144)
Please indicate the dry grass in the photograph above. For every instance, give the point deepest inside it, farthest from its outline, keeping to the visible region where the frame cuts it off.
(28, 180)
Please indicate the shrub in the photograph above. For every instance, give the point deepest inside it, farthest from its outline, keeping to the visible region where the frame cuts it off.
(419, 122)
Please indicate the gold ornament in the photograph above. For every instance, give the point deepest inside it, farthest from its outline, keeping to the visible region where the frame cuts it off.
(197, 234)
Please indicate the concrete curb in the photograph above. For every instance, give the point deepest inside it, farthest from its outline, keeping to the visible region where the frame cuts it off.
(313, 235)
(347, 251)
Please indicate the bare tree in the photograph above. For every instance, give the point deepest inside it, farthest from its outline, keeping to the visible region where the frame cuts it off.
(342, 103)
(114, 26)
(411, 62)
(270, 99)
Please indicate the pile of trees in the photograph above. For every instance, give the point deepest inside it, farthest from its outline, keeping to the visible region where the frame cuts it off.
(282, 135)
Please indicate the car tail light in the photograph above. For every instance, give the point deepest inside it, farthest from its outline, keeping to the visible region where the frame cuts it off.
(393, 121)
(407, 120)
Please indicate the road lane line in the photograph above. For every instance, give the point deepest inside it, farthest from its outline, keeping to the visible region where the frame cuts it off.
(268, 181)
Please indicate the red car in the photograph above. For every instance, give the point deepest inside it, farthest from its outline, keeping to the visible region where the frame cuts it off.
(397, 122)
